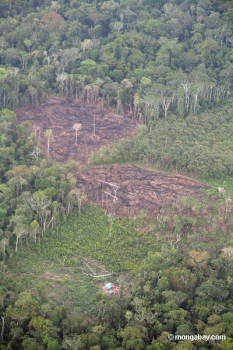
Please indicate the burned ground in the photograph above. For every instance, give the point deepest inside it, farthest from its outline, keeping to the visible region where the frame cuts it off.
(122, 189)
(61, 115)
(128, 189)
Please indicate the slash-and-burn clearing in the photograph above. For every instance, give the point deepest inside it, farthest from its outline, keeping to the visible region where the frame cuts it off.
(128, 189)
(78, 130)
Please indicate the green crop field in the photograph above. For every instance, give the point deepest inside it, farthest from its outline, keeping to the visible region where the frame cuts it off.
(56, 264)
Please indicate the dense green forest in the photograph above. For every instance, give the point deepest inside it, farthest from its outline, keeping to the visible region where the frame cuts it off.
(169, 66)
(148, 57)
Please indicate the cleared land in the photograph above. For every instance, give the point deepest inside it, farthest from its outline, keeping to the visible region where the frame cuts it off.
(128, 189)
(122, 190)
(68, 260)
(99, 127)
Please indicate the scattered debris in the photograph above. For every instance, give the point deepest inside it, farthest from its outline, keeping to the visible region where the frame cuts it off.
(126, 190)
(72, 125)
(102, 272)
(123, 190)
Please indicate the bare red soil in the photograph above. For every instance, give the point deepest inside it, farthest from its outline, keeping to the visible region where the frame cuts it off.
(61, 115)
(127, 189)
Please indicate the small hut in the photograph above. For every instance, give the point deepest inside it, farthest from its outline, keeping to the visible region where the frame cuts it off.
(108, 286)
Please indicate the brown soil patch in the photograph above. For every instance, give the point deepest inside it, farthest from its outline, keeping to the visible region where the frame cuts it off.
(50, 276)
(115, 289)
(127, 189)
(61, 115)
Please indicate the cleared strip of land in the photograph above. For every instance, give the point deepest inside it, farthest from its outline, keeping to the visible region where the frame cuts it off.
(128, 189)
